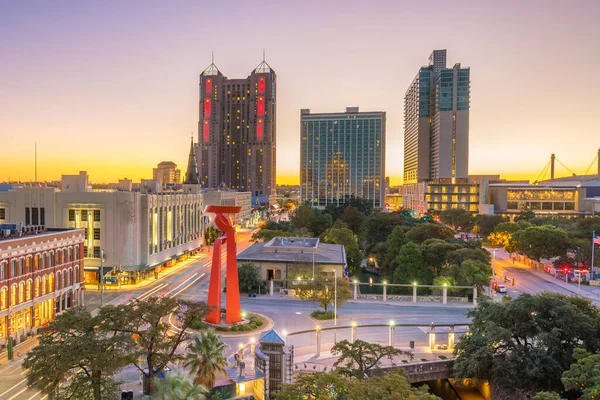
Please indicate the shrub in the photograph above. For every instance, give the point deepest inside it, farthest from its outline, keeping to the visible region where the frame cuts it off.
(322, 315)
(442, 357)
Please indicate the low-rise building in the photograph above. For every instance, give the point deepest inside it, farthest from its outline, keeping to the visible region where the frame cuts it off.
(41, 275)
(279, 258)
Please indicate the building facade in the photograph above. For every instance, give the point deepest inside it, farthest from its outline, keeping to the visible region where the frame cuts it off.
(342, 155)
(237, 131)
(167, 173)
(139, 232)
(41, 275)
(436, 122)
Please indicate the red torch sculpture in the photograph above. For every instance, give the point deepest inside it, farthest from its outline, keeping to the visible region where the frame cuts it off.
(233, 311)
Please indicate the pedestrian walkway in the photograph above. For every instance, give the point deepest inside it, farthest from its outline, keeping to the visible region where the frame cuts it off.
(93, 287)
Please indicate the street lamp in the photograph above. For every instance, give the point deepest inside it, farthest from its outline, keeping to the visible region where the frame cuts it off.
(102, 255)
(313, 275)
(494, 263)
(334, 306)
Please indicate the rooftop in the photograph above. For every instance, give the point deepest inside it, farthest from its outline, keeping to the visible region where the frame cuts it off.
(18, 231)
(322, 253)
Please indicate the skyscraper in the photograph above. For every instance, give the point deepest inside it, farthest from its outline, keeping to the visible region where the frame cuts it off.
(342, 155)
(237, 131)
(436, 122)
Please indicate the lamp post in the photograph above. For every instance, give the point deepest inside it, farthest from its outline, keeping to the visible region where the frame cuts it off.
(334, 306)
(313, 275)
(102, 277)
(494, 263)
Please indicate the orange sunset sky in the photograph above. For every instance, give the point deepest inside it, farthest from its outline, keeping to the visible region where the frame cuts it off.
(111, 87)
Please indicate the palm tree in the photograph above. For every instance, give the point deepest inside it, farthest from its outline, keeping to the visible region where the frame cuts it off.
(206, 357)
(179, 387)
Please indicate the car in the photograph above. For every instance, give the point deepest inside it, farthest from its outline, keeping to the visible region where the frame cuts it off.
(501, 289)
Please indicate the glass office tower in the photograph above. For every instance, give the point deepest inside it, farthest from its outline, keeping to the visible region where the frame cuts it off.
(342, 155)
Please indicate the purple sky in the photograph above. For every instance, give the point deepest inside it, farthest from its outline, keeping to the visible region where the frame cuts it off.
(111, 86)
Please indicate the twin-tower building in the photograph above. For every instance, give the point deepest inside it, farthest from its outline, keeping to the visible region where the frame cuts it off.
(237, 132)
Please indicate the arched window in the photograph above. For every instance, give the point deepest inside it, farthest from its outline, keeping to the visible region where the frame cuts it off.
(3, 270)
(36, 286)
(13, 295)
(44, 287)
(69, 275)
(51, 259)
(21, 266)
(43, 261)
(51, 283)
(58, 280)
(21, 292)
(76, 276)
(4, 298)
(13, 268)
(76, 255)
(64, 278)
(28, 290)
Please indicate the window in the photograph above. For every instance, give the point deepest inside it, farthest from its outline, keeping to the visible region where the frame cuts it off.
(96, 215)
(96, 251)
(21, 292)
(44, 287)
(28, 291)
(42, 216)
(35, 216)
(76, 276)
(84, 215)
(3, 271)
(85, 251)
(21, 266)
(96, 233)
(51, 283)
(2, 213)
(13, 295)
(27, 217)
(37, 287)
(4, 298)
(58, 280)
(13, 268)
(71, 215)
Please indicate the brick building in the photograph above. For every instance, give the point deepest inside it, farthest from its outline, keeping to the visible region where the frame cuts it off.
(41, 275)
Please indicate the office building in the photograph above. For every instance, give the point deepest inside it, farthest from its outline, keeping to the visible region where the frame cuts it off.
(167, 173)
(41, 275)
(342, 155)
(436, 122)
(237, 132)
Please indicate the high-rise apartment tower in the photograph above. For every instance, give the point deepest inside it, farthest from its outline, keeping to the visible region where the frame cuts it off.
(236, 131)
(342, 155)
(436, 122)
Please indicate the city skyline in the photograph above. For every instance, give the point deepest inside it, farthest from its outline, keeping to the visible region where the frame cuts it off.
(112, 88)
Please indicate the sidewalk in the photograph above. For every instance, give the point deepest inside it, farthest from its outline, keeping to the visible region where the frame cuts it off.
(93, 287)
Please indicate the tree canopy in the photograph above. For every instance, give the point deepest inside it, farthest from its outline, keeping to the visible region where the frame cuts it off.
(347, 238)
(361, 359)
(428, 230)
(323, 291)
(249, 277)
(523, 346)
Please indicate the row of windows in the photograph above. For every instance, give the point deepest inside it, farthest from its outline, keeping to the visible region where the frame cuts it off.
(85, 213)
(35, 216)
(28, 264)
(23, 291)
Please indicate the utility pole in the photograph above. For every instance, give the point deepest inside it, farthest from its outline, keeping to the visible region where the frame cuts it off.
(335, 306)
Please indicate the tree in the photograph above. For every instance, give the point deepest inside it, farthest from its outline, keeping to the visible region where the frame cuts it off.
(265, 235)
(206, 357)
(539, 242)
(487, 223)
(321, 223)
(323, 291)
(459, 219)
(334, 386)
(459, 256)
(353, 218)
(360, 359)
(346, 237)
(147, 321)
(378, 226)
(303, 217)
(523, 346)
(392, 247)
(178, 387)
(470, 273)
(210, 235)
(584, 375)
(503, 233)
(525, 215)
(435, 252)
(249, 277)
(78, 345)
(422, 232)
(411, 266)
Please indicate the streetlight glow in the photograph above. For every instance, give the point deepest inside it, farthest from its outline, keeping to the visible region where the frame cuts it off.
(392, 323)
(414, 283)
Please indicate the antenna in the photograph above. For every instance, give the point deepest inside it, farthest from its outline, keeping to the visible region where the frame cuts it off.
(264, 54)
(35, 151)
(213, 57)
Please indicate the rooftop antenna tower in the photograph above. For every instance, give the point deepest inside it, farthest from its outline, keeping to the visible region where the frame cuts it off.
(35, 156)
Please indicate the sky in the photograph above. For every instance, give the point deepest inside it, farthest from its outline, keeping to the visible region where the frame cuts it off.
(111, 87)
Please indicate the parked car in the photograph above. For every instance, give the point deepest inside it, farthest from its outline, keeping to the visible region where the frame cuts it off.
(501, 289)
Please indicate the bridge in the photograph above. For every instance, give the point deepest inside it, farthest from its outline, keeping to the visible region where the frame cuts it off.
(425, 370)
